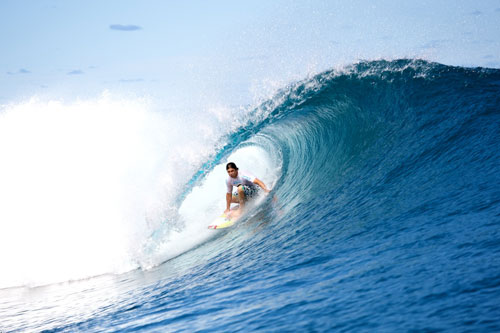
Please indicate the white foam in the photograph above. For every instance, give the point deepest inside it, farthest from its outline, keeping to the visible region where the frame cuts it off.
(83, 184)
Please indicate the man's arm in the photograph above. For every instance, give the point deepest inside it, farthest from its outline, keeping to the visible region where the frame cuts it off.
(229, 197)
(261, 184)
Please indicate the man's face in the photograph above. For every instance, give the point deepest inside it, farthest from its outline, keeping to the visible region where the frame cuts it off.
(233, 173)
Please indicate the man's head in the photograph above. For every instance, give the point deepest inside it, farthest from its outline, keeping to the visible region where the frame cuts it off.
(232, 170)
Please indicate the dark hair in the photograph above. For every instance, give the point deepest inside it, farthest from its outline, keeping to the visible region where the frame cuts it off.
(231, 165)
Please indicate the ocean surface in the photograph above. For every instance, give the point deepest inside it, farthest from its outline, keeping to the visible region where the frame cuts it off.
(384, 214)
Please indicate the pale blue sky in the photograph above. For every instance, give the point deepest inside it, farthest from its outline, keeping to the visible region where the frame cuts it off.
(224, 50)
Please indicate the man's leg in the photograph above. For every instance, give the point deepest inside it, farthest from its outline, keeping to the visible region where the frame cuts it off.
(241, 196)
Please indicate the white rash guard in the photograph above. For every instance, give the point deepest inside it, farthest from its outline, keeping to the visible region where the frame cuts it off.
(244, 178)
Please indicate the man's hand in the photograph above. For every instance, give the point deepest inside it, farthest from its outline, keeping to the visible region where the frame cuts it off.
(261, 185)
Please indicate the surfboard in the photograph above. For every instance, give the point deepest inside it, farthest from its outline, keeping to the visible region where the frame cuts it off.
(223, 221)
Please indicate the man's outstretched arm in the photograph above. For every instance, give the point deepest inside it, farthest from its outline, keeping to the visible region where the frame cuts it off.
(261, 184)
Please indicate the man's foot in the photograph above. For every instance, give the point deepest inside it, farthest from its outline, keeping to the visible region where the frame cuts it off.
(235, 214)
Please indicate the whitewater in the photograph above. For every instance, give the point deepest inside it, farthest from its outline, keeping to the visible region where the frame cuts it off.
(384, 214)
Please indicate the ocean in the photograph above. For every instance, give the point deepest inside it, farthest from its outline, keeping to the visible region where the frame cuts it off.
(384, 214)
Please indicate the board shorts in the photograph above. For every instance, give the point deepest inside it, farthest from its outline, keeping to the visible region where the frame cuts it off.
(250, 191)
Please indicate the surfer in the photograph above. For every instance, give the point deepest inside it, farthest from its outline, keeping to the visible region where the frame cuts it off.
(245, 183)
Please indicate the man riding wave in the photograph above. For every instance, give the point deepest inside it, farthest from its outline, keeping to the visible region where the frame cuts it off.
(246, 185)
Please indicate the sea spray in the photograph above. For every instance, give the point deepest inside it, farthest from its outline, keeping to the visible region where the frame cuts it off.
(85, 183)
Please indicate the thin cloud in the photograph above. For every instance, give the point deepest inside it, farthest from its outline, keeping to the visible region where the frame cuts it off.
(20, 71)
(131, 80)
(493, 64)
(126, 27)
(435, 43)
(75, 72)
(254, 58)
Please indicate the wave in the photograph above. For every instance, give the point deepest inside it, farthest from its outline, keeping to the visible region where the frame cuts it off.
(108, 185)
(385, 128)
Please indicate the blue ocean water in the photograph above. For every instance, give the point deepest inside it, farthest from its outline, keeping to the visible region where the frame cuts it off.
(384, 216)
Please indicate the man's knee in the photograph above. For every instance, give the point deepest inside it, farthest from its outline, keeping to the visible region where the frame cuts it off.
(241, 192)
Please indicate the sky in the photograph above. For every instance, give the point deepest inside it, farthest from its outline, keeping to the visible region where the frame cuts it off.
(191, 52)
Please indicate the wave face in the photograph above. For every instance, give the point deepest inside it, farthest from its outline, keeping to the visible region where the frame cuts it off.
(385, 214)
(390, 141)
